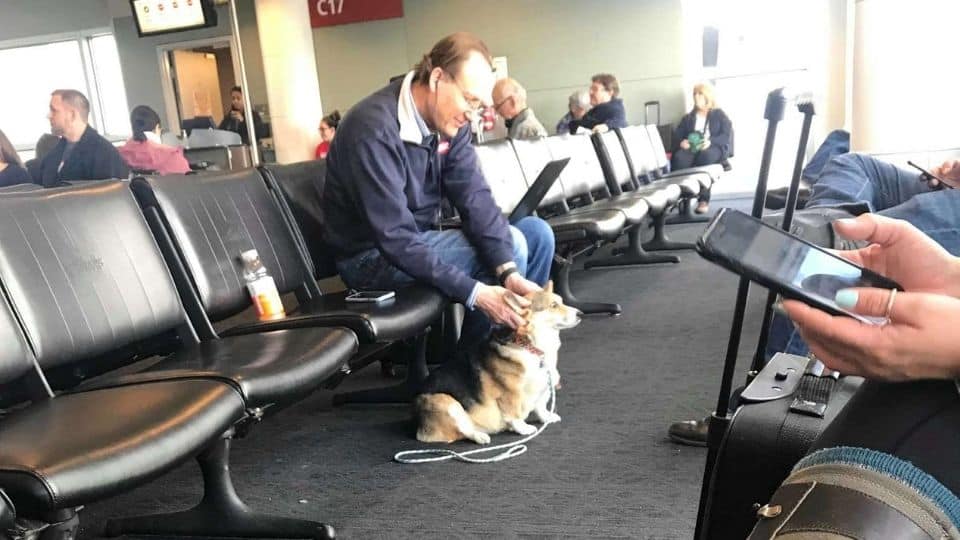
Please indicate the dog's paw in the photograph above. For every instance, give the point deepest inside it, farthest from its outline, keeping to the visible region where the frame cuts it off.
(480, 437)
(548, 417)
(522, 427)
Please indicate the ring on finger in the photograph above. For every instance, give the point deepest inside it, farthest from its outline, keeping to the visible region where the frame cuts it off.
(889, 309)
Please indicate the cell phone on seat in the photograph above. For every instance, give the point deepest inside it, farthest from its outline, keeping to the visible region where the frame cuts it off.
(369, 296)
(929, 175)
(785, 263)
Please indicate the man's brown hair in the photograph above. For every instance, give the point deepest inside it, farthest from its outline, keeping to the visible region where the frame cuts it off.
(609, 82)
(448, 54)
(75, 100)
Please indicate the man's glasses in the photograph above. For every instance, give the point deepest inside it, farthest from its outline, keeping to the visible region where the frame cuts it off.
(496, 106)
(474, 103)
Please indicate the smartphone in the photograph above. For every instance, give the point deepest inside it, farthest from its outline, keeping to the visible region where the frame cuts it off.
(370, 296)
(785, 263)
(929, 175)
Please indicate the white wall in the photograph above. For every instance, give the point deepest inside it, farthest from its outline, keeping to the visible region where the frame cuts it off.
(552, 47)
(21, 19)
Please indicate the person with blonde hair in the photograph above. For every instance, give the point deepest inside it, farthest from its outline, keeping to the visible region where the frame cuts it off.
(703, 137)
(12, 171)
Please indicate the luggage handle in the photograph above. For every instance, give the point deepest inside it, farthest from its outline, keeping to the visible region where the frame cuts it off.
(646, 109)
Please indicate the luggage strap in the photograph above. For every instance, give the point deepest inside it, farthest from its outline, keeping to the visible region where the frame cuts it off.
(816, 507)
(814, 390)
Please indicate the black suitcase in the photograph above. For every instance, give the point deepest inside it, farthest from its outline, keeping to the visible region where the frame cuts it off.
(665, 130)
(781, 412)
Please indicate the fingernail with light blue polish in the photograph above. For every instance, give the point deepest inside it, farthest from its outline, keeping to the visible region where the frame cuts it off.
(846, 298)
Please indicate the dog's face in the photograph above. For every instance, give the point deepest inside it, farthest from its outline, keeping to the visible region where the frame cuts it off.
(548, 311)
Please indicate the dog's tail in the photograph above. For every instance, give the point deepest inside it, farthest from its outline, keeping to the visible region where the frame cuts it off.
(437, 418)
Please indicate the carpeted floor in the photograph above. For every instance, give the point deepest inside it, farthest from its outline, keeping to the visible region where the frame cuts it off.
(606, 471)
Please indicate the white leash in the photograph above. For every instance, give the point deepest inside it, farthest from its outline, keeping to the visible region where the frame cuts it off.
(514, 448)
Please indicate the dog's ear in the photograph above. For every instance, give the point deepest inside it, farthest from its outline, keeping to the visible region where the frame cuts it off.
(524, 330)
(549, 287)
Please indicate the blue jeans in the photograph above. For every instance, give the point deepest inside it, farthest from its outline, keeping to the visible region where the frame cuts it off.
(887, 190)
(533, 247)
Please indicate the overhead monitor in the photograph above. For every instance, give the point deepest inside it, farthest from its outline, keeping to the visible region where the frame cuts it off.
(155, 17)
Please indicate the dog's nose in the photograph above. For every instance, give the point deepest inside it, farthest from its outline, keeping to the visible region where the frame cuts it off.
(578, 313)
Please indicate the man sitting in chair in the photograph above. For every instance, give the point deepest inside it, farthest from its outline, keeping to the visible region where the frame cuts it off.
(400, 153)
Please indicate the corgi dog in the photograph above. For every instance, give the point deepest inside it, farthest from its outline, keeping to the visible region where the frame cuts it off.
(499, 385)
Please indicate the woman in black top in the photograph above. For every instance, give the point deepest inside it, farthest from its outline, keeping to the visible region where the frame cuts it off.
(703, 137)
(11, 168)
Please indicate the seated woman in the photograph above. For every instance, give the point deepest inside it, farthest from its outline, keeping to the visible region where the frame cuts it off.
(328, 128)
(607, 112)
(144, 151)
(906, 416)
(577, 105)
(703, 137)
(12, 171)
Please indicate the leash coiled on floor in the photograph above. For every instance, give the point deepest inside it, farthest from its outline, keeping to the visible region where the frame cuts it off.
(514, 448)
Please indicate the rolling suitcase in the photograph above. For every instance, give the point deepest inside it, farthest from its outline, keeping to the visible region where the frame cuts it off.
(651, 109)
(787, 403)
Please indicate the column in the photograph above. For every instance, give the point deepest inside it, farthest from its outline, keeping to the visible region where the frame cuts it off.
(290, 70)
(904, 76)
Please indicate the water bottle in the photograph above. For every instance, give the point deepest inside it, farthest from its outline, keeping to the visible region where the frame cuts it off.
(262, 289)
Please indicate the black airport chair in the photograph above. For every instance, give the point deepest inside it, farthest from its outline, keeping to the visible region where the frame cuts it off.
(576, 233)
(89, 286)
(203, 223)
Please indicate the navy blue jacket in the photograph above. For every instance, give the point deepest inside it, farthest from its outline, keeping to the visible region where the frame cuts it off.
(382, 191)
(92, 158)
(721, 130)
(610, 113)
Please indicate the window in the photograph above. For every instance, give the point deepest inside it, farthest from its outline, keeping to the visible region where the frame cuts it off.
(88, 63)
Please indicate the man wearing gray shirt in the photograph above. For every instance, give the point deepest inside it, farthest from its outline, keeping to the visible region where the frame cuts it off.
(510, 102)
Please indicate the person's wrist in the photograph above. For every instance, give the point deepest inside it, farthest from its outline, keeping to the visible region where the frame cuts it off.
(504, 276)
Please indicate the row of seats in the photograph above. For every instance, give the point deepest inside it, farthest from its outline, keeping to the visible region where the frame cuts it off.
(614, 184)
(131, 344)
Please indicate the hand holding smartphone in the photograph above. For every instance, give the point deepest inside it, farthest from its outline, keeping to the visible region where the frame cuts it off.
(785, 263)
(927, 176)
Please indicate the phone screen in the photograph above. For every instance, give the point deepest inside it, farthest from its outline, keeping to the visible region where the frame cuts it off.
(784, 259)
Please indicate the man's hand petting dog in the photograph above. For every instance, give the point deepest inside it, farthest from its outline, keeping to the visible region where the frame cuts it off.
(502, 306)
(521, 285)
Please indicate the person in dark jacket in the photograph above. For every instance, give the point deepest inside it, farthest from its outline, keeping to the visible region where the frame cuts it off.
(396, 156)
(12, 171)
(82, 153)
(235, 119)
(703, 137)
(607, 112)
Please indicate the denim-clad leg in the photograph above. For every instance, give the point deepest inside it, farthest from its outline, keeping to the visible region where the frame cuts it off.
(857, 178)
(889, 191)
(533, 246)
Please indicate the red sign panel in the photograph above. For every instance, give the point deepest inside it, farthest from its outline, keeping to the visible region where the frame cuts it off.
(334, 12)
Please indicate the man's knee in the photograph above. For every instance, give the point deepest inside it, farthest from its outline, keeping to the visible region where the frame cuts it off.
(852, 161)
(537, 233)
(520, 250)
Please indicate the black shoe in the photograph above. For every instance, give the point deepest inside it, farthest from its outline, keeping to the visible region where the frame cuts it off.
(777, 198)
(690, 432)
(815, 225)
